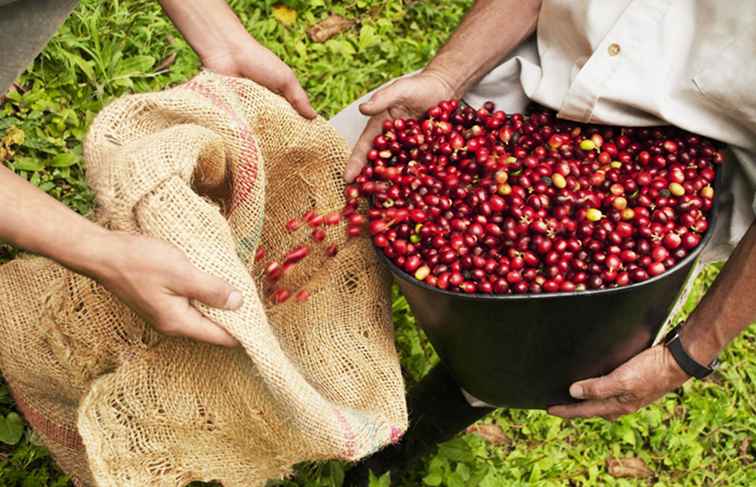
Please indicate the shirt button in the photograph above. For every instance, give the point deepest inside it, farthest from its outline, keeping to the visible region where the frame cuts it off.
(614, 49)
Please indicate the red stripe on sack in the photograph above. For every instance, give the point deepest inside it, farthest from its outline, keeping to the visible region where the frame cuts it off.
(347, 432)
(52, 431)
(246, 175)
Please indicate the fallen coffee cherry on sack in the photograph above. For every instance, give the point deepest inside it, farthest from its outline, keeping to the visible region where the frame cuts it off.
(476, 201)
(313, 226)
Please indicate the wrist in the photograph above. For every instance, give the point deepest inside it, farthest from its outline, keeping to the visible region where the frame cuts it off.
(209, 26)
(95, 255)
(676, 376)
(230, 48)
(701, 345)
(453, 84)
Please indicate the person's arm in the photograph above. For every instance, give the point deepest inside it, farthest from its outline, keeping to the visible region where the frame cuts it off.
(151, 276)
(728, 307)
(489, 31)
(224, 46)
(724, 312)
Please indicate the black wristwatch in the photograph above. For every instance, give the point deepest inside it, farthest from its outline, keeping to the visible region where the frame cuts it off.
(689, 365)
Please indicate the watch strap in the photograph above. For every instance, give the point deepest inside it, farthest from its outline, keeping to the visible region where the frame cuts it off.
(687, 363)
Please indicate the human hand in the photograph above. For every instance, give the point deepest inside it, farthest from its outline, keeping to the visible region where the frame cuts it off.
(640, 381)
(158, 282)
(253, 61)
(223, 44)
(406, 97)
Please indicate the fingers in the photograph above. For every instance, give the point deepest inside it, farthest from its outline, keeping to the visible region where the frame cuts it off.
(606, 396)
(208, 290)
(598, 388)
(383, 99)
(297, 96)
(188, 322)
(362, 147)
(181, 318)
(608, 408)
(263, 66)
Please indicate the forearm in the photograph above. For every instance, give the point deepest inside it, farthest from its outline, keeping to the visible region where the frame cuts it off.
(728, 307)
(489, 31)
(38, 223)
(209, 26)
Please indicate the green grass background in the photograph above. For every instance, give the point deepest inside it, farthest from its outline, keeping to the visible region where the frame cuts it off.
(699, 435)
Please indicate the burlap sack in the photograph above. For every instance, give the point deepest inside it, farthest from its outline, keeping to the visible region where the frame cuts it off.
(119, 404)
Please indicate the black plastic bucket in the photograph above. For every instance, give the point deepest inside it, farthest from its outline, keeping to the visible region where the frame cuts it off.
(524, 351)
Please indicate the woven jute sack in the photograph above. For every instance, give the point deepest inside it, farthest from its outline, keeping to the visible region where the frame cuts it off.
(215, 166)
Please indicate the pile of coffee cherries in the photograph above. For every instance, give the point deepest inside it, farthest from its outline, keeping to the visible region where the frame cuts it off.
(476, 201)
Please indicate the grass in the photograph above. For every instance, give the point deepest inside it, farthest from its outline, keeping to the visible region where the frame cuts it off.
(700, 435)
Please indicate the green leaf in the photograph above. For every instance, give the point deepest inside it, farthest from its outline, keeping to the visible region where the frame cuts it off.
(64, 159)
(463, 471)
(490, 480)
(11, 429)
(368, 37)
(456, 450)
(535, 474)
(454, 480)
(28, 164)
(134, 65)
(628, 435)
(383, 481)
(85, 66)
(433, 478)
(341, 47)
(336, 474)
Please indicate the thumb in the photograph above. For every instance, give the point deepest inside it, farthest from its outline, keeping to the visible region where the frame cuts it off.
(597, 388)
(359, 153)
(297, 96)
(211, 291)
(383, 99)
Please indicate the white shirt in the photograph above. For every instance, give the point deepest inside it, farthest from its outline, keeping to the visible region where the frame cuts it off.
(647, 62)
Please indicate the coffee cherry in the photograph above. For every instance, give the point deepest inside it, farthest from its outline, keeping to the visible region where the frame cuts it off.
(655, 269)
(672, 241)
(422, 272)
(559, 180)
(316, 221)
(332, 218)
(296, 254)
(274, 271)
(593, 215)
(281, 295)
(690, 240)
(619, 203)
(294, 224)
(318, 235)
(676, 189)
(587, 145)
(259, 254)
